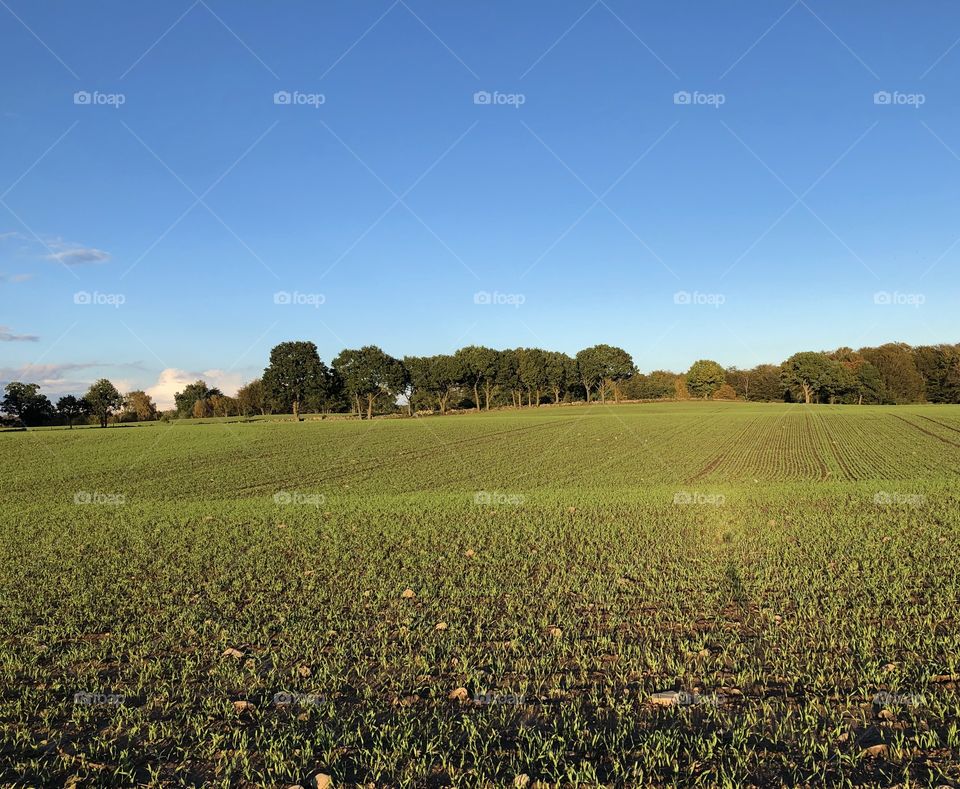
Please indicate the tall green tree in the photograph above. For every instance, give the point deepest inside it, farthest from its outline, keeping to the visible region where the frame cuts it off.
(705, 377)
(26, 404)
(479, 368)
(295, 373)
(533, 373)
(811, 375)
(368, 373)
(604, 367)
(103, 399)
(71, 408)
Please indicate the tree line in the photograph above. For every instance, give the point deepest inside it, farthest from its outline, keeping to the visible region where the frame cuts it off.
(368, 381)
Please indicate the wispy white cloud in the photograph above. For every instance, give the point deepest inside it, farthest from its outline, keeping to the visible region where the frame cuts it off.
(7, 336)
(15, 277)
(75, 255)
(68, 253)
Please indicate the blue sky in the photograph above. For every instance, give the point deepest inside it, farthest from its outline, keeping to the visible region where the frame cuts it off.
(160, 201)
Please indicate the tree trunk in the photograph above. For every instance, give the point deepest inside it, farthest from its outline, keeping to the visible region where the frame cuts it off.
(476, 397)
(486, 391)
(556, 395)
(370, 399)
(588, 388)
(296, 410)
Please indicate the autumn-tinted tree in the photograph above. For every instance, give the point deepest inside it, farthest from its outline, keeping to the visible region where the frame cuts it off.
(252, 398)
(704, 377)
(185, 400)
(71, 408)
(902, 382)
(295, 372)
(139, 407)
(103, 399)
(24, 403)
(222, 405)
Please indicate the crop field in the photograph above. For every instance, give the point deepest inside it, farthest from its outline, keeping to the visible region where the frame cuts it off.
(709, 594)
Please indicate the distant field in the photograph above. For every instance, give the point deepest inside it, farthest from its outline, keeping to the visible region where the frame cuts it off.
(792, 569)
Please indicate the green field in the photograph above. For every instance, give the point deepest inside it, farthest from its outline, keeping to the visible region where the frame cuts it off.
(232, 596)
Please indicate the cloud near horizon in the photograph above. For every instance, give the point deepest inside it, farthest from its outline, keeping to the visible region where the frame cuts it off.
(173, 380)
(7, 336)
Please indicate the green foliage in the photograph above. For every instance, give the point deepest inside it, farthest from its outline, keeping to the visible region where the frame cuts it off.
(705, 377)
(103, 400)
(368, 373)
(24, 403)
(294, 374)
(186, 400)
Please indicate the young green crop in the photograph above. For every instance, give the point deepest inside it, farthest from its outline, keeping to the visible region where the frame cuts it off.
(226, 603)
